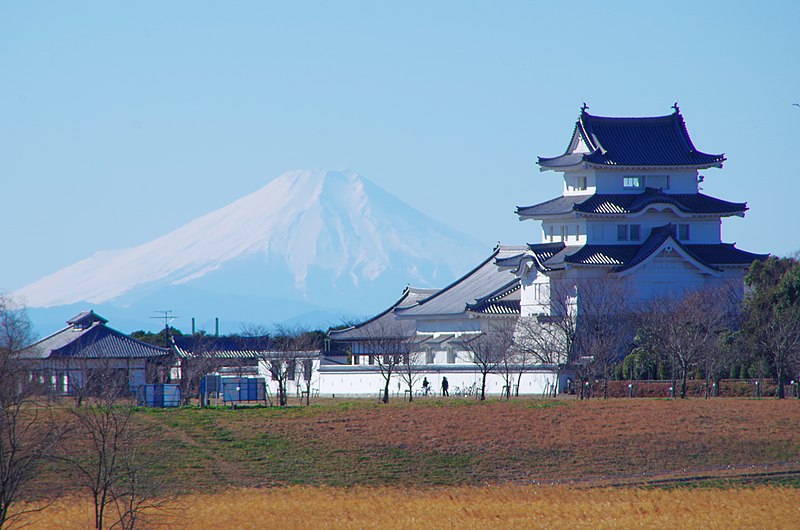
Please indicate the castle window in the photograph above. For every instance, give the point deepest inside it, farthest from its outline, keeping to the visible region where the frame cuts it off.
(683, 232)
(629, 232)
(633, 183)
(580, 183)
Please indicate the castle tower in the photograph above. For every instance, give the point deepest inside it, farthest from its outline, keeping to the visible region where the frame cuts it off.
(632, 213)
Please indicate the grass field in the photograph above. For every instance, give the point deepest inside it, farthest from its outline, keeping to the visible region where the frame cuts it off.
(448, 462)
(467, 442)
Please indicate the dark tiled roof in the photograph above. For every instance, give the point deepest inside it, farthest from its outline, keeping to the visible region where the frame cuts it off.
(542, 254)
(386, 323)
(624, 257)
(557, 206)
(481, 281)
(545, 251)
(504, 301)
(86, 319)
(221, 347)
(723, 254)
(648, 141)
(696, 203)
(617, 204)
(656, 238)
(498, 307)
(603, 255)
(95, 342)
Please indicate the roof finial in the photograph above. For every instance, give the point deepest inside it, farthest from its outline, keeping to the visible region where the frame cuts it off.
(584, 107)
(676, 108)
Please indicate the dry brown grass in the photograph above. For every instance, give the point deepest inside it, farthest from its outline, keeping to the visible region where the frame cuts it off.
(464, 507)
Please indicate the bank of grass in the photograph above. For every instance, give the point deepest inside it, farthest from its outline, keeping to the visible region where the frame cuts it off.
(449, 442)
(509, 506)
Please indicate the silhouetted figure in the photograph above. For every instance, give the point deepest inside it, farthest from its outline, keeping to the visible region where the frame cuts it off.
(426, 386)
(445, 386)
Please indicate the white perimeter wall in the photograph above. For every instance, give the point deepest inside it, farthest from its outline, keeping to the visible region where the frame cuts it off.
(367, 381)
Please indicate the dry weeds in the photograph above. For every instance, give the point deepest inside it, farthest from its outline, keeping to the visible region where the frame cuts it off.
(464, 507)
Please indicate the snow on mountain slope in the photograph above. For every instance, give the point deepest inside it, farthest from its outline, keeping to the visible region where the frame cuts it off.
(319, 227)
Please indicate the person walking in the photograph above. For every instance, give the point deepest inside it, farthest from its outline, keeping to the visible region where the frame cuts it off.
(445, 386)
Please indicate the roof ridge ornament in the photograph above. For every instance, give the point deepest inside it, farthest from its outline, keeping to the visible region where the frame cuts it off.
(676, 108)
(584, 108)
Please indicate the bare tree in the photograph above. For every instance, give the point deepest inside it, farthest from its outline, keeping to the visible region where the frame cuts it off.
(605, 327)
(385, 344)
(513, 360)
(111, 463)
(28, 433)
(490, 348)
(199, 359)
(410, 370)
(139, 497)
(549, 338)
(106, 429)
(685, 327)
(297, 348)
(288, 349)
(308, 375)
(724, 347)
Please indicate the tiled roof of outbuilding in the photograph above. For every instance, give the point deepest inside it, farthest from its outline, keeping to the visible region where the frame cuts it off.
(386, 323)
(97, 341)
(617, 204)
(221, 347)
(504, 301)
(483, 280)
(648, 141)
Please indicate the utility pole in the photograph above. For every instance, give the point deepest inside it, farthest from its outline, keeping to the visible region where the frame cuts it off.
(167, 318)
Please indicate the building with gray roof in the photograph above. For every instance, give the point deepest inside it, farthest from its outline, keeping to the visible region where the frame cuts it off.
(436, 330)
(88, 353)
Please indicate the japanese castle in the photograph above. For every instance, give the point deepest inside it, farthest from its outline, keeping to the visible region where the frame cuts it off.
(631, 213)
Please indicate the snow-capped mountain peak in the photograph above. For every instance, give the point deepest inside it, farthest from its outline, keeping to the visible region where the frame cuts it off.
(328, 231)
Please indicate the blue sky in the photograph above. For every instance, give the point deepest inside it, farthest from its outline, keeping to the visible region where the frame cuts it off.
(122, 121)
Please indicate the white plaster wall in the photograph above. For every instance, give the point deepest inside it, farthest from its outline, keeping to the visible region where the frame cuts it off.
(569, 183)
(612, 181)
(449, 325)
(667, 274)
(360, 381)
(700, 230)
(575, 231)
(534, 293)
(293, 386)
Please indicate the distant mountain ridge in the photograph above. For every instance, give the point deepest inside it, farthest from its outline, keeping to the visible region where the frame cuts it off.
(331, 239)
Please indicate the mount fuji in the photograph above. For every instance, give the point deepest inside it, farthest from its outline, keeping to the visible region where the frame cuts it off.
(309, 247)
